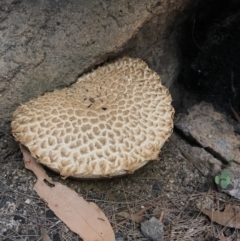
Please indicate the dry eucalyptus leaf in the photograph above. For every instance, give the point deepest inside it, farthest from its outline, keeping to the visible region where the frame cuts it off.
(84, 218)
(229, 217)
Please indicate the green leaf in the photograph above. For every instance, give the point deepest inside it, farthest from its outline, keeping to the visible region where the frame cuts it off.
(224, 184)
(217, 179)
(224, 174)
(228, 180)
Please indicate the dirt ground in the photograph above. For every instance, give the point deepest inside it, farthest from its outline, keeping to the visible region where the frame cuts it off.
(170, 187)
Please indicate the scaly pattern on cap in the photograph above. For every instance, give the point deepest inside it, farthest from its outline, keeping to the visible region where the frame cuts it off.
(112, 121)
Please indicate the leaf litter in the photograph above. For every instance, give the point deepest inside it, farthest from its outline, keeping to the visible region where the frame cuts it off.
(84, 218)
(182, 218)
(230, 217)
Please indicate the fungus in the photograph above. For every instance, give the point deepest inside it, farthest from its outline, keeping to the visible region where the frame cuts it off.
(111, 122)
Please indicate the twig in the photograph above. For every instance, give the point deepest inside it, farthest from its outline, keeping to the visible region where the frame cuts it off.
(129, 210)
(161, 216)
(193, 35)
(236, 115)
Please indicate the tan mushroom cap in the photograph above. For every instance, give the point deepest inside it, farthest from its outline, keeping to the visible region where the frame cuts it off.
(112, 121)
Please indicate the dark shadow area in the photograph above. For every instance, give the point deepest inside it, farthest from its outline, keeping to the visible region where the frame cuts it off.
(211, 54)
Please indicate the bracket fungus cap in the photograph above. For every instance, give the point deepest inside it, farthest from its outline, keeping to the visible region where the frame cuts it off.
(111, 122)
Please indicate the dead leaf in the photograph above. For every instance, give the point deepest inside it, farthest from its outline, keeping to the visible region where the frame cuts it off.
(44, 234)
(136, 217)
(84, 218)
(228, 218)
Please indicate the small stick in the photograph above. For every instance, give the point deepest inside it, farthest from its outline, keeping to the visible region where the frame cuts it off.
(234, 112)
(161, 216)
